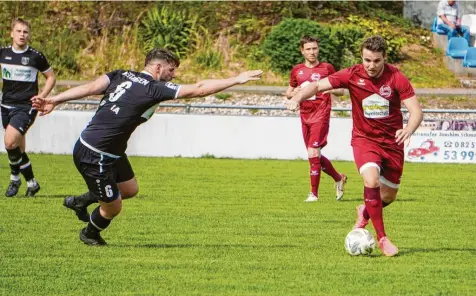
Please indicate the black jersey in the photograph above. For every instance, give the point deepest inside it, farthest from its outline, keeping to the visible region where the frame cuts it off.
(20, 74)
(130, 99)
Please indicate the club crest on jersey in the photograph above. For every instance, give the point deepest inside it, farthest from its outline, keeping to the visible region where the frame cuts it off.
(385, 91)
(315, 77)
(25, 60)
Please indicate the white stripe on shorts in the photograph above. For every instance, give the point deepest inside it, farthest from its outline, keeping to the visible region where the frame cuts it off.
(388, 183)
(368, 165)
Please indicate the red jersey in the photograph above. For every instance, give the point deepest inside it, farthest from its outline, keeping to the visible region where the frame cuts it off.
(317, 108)
(376, 102)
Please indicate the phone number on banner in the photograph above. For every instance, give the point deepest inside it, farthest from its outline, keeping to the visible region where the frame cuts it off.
(441, 148)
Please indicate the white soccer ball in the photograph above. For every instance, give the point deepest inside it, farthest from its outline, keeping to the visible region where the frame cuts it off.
(359, 242)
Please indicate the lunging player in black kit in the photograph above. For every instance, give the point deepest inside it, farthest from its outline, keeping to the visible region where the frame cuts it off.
(130, 98)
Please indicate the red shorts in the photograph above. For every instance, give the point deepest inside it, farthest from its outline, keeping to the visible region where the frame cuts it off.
(315, 134)
(388, 160)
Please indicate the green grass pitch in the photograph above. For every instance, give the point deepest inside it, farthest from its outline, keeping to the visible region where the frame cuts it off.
(238, 227)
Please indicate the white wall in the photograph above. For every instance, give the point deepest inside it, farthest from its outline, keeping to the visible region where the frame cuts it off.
(196, 135)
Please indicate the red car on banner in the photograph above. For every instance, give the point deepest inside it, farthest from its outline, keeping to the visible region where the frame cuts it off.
(427, 147)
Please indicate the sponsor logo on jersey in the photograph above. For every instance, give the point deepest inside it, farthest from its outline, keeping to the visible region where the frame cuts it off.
(8, 58)
(25, 60)
(315, 77)
(375, 107)
(385, 91)
(361, 82)
(19, 73)
(172, 85)
(6, 74)
(300, 72)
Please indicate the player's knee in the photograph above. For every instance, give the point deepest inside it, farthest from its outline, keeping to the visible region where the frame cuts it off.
(111, 210)
(313, 152)
(388, 197)
(130, 191)
(371, 182)
(11, 144)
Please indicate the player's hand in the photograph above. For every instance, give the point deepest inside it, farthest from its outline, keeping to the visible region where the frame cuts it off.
(402, 136)
(292, 105)
(44, 105)
(249, 75)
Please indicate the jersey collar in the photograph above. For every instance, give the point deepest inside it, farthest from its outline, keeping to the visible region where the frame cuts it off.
(145, 72)
(20, 51)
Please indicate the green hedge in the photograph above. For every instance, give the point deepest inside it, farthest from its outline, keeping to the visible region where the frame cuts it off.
(338, 43)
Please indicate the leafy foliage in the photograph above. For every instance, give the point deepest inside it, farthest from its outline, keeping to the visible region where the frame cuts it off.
(205, 52)
(168, 28)
(383, 28)
(282, 43)
(338, 44)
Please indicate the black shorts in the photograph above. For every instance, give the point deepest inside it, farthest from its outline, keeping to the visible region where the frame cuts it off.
(102, 172)
(19, 117)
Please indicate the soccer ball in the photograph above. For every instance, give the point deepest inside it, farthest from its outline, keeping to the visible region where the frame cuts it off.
(359, 242)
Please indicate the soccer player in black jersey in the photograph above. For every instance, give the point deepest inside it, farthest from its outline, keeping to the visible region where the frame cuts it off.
(20, 66)
(130, 98)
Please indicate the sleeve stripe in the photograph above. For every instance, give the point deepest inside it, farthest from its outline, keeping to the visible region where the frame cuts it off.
(47, 70)
(176, 94)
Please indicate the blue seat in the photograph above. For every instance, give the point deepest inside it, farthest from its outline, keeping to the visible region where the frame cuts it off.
(434, 27)
(470, 58)
(457, 47)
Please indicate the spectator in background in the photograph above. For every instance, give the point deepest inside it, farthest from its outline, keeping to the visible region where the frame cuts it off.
(449, 19)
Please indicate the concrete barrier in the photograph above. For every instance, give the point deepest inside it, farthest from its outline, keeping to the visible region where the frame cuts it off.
(170, 135)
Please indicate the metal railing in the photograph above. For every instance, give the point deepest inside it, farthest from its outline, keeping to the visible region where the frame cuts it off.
(188, 107)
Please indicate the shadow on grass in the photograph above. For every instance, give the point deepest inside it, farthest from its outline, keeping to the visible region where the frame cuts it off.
(405, 251)
(362, 199)
(183, 246)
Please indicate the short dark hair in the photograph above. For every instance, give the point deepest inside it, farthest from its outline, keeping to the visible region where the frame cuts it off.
(19, 20)
(375, 43)
(307, 38)
(162, 54)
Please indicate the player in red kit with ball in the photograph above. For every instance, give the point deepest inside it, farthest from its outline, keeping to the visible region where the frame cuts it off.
(377, 90)
(315, 115)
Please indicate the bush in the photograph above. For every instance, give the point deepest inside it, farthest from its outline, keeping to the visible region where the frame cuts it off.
(384, 29)
(282, 43)
(168, 28)
(338, 44)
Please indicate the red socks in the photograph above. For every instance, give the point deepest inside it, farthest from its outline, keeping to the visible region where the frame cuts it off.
(328, 168)
(373, 205)
(315, 173)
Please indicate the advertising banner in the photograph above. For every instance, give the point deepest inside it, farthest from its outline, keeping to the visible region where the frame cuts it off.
(444, 142)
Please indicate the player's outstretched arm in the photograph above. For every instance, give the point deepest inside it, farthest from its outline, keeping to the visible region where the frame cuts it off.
(46, 105)
(308, 91)
(414, 121)
(211, 86)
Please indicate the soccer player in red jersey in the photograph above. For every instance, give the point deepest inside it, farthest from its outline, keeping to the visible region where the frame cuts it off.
(377, 90)
(315, 115)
